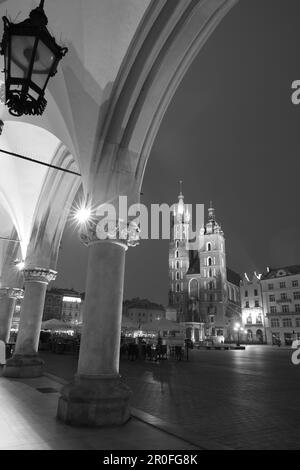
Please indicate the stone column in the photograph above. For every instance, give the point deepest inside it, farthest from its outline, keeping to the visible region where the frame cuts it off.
(25, 361)
(8, 297)
(97, 396)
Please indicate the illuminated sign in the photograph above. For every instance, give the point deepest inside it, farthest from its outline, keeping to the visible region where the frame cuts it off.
(72, 299)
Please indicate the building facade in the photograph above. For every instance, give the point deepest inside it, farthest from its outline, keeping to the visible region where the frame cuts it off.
(143, 311)
(281, 299)
(254, 318)
(203, 291)
(64, 304)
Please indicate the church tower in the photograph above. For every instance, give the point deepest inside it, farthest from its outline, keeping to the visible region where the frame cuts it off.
(213, 275)
(179, 256)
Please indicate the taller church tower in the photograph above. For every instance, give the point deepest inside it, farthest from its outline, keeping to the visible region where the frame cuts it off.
(179, 257)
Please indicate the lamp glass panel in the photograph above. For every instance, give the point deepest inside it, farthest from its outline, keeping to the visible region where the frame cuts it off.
(21, 53)
(44, 59)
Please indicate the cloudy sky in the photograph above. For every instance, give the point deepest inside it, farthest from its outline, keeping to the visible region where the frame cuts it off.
(232, 135)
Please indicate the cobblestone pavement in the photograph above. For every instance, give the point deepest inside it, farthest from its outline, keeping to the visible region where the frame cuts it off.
(242, 399)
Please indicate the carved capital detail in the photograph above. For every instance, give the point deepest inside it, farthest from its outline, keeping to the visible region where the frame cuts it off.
(12, 292)
(39, 275)
(120, 232)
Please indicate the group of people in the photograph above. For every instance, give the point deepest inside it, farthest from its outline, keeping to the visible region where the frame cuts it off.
(147, 350)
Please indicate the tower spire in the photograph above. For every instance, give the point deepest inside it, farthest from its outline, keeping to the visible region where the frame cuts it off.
(180, 189)
(211, 212)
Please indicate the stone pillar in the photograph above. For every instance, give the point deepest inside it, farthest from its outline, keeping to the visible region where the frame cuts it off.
(8, 297)
(25, 361)
(97, 396)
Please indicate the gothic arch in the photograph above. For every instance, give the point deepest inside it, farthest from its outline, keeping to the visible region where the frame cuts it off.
(52, 210)
(165, 45)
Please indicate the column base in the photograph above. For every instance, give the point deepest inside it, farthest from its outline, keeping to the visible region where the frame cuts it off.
(24, 365)
(94, 401)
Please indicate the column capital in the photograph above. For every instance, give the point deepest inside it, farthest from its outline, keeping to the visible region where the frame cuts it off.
(122, 233)
(39, 275)
(11, 292)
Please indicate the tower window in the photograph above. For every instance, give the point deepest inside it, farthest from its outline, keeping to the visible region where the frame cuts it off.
(209, 261)
(209, 247)
(177, 276)
(177, 264)
(177, 287)
(210, 273)
(177, 244)
(176, 254)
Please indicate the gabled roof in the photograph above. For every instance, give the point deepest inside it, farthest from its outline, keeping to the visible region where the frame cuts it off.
(281, 272)
(233, 277)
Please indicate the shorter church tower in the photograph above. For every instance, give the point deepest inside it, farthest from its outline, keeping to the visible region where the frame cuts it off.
(213, 275)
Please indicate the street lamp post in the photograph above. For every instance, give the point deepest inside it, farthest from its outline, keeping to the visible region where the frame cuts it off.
(238, 328)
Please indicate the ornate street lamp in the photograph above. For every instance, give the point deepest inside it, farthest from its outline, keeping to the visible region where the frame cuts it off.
(31, 57)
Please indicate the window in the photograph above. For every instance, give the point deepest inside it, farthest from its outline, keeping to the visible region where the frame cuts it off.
(177, 276)
(177, 244)
(176, 254)
(249, 320)
(211, 298)
(270, 286)
(297, 307)
(177, 264)
(246, 293)
(209, 247)
(295, 283)
(255, 292)
(259, 319)
(212, 319)
(298, 322)
(275, 323)
(177, 287)
(210, 273)
(272, 298)
(282, 285)
(285, 308)
(283, 296)
(256, 303)
(296, 295)
(286, 322)
(209, 261)
(273, 309)
(247, 304)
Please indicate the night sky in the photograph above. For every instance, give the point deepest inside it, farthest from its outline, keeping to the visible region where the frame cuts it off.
(232, 135)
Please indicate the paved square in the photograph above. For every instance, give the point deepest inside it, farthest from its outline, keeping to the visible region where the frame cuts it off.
(242, 399)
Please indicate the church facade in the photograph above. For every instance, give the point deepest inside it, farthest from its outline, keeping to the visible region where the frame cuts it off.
(202, 290)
